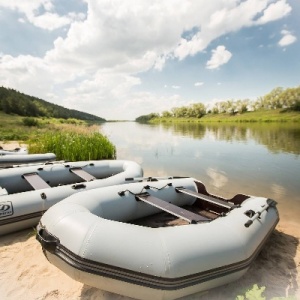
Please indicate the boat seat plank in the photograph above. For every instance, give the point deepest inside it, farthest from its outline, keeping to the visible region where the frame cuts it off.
(206, 198)
(82, 174)
(36, 181)
(172, 209)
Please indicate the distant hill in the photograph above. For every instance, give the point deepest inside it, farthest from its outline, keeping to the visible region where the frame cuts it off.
(14, 102)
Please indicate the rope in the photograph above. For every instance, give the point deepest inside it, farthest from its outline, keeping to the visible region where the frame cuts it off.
(146, 187)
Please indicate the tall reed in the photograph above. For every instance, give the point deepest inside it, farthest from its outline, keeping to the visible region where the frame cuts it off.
(74, 146)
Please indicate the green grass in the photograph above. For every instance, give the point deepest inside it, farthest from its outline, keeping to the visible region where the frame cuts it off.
(256, 116)
(70, 140)
(74, 146)
(256, 293)
(12, 128)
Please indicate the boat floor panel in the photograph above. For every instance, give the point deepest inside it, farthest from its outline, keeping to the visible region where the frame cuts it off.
(165, 219)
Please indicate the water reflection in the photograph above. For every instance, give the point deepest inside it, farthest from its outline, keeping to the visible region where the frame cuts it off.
(257, 159)
(218, 179)
(276, 137)
(186, 129)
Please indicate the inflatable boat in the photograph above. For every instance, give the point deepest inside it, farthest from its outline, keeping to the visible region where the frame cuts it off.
(157, 239)
(8, 160)
(27, 192)
(16, 151)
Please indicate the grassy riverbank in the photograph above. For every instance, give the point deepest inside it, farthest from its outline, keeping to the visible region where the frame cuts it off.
(70, 139)
(255, 116)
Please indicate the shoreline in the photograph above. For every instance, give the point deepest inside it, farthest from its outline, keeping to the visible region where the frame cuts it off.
(11, 145)
(255, 117)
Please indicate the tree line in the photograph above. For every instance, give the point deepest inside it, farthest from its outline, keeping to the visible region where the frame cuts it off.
(14, 102)
(278, 98)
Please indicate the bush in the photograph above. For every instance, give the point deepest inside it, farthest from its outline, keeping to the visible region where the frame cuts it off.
(28, 121)
(296, 106)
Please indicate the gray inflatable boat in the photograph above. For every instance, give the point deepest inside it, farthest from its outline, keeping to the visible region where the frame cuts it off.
(120, 238)
(9, 159)
(27, 192)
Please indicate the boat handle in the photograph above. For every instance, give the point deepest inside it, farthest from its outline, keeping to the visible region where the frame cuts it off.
(78, 186)
(256, 215)
(47, 240)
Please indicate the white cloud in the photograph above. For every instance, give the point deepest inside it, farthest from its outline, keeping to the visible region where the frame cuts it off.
(40, 13)
(95, 66)
(191, 47)
(287, 38)
(28, 74)
(104, 94)
(220, 56)
(176, 87)
(199, 83)
(50, 21)
(275, 11)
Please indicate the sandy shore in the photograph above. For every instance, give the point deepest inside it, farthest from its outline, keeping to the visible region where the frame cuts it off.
(25, 272)
(11, 146)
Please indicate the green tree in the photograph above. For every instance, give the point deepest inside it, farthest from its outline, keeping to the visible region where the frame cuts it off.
(166, 114)
(242, 105)
(198, 110)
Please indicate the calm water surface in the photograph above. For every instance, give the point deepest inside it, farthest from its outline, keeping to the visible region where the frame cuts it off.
(255, 159)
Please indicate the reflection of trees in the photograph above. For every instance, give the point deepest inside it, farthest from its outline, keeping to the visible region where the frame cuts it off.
(228, 132)
(279, 138)
(193, 130)
(275, 137)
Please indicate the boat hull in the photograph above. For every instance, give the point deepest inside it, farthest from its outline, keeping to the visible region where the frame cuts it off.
(21, 207)
(8, 160)
(55, 174)
(138, 291)
(111, 253)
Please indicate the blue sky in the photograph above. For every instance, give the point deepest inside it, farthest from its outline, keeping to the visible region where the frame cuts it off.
(121, 59)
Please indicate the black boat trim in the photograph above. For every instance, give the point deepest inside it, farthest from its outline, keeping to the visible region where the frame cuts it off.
(21, 218)
(151, 281)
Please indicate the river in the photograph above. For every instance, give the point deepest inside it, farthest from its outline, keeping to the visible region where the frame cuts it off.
(255, 159)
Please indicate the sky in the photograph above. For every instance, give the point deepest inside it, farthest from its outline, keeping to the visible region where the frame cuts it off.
(120, 59)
